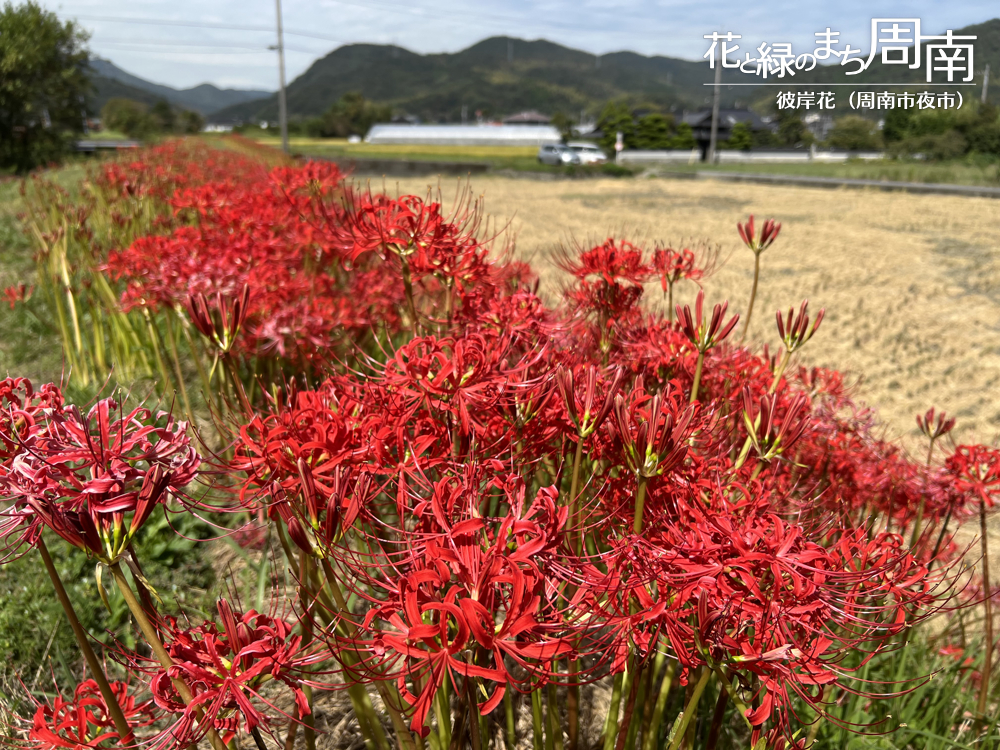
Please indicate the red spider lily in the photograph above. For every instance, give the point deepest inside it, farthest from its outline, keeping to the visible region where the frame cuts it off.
(588, 416)
(795, 330)
(19, 293)
(471, 584)
(769, 438)
(327, 508)
(673, 265)
(934, 431)
(225, 668)
(433, 651)
(80, 476)
(768, 234)
(976, 471)
(653, 431)
(84, 722)
(704, 334)
(613, 261)
(218, 324)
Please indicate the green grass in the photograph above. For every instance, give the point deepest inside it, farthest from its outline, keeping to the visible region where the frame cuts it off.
(517, 158)
(36, 349)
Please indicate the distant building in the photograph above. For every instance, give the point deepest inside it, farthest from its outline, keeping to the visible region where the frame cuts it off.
(531, 117)
(463, 135)
(818, 124)
(701, 124)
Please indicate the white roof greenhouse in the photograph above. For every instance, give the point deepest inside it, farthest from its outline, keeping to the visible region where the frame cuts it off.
(464, 135)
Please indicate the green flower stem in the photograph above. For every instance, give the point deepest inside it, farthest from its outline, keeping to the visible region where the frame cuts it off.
(630, 724)
(682, 722)
(611, 723)
(573, 516)
(508, 709)
(153, 639)
(408, 290)
(655, 675)
(650, 736)
(537, 739)
(640, 502)
(753, 294)
(174, 355)
(697, 377)
(780, 371)
(623, 682)
(984, 690)
(121, 724)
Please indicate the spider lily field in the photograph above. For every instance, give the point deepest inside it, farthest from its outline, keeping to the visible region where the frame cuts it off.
(618, 512)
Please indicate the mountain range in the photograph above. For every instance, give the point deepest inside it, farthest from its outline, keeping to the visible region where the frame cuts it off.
(503, 75)
(111, 81)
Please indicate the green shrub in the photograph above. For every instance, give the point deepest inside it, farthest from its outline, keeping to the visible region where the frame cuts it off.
(855, 133)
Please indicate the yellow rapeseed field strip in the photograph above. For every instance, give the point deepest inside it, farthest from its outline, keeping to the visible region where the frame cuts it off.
(910, 283)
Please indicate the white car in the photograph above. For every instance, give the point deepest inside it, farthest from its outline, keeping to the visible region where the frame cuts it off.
(557, 154)
(589, 153)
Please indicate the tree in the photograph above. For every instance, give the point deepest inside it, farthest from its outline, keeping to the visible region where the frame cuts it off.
(352, 114)
(136, 120)
(897, 123)
(616, 117)
(129, 117)
(855, 133)
(43, 86)
(562, 123)
(684, 137)
(792, 130)
(741, 137)
(164, 116)
(652, 132)
(189, 123)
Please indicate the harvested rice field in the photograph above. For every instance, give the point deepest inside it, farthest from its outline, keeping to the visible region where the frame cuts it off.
(910, 283)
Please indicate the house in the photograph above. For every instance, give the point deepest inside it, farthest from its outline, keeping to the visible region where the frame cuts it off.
(819, 125)
(464, 135)
(701, 124)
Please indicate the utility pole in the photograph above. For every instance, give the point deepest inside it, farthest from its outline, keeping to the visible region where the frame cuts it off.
(715, 112)
(986, 81)
(282, 103)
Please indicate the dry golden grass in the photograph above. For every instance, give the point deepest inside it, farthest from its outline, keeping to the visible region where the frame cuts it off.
(911, 284)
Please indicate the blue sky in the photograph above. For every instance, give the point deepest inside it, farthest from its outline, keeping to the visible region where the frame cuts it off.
(186, 55)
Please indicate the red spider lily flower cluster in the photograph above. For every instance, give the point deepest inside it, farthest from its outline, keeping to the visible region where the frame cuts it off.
(92, 479)
(673, 265)
(225, 665)
(84, 721)
(19, 293)
(794, 330)
(758, 242)
(934, 430)
(705, 333)
(480, 496)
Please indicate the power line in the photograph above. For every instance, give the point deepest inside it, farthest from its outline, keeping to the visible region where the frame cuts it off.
(202, 25)
(170, 43)
(205, 51)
